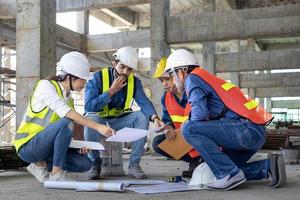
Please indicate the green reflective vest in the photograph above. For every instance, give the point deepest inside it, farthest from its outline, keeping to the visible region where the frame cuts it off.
(114, 112)
(34, 122)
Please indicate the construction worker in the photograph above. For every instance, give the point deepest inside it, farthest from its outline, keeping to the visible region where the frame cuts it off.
(222, 116)
(46, 130)
(108, 99)
(173, 109)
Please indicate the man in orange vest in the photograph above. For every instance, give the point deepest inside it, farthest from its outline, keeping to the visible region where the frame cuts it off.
(173, 107)
(222, 116)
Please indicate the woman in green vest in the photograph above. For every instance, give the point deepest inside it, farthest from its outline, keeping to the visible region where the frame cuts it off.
(45, 133)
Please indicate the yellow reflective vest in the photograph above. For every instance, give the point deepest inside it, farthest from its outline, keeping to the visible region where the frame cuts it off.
(114, 112)
(35, 122)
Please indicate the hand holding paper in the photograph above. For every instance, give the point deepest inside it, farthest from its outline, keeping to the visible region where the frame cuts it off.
(78, 144)
(128, 135)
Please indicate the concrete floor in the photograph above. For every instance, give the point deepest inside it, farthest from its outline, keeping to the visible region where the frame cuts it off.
(21, 185)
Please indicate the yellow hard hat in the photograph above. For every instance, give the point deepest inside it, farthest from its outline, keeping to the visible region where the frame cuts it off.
(160, 68)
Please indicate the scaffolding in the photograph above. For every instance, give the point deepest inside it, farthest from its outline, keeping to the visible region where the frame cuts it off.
(7, 96)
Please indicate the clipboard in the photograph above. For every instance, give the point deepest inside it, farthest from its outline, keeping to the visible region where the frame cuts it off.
(177, 147)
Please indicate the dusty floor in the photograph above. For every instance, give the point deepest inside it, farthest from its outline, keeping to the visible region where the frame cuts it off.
(20, 185)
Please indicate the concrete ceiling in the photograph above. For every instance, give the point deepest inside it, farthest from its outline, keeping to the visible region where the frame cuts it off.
(174, 5)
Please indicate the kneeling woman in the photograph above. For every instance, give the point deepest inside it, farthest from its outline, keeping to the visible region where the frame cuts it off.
(46, 130)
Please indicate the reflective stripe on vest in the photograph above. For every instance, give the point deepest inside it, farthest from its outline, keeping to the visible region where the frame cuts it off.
(34, 122)
(175, 110)
(113, 112)
(234, 99)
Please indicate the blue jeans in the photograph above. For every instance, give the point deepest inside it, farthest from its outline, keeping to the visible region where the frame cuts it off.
(158, 139)
(52, 146)
(240, 140)
(133, 120)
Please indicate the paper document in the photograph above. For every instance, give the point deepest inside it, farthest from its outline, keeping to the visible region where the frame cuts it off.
(128, 135)
(138, 182)
(85, 186)
(78, 144)
(163, 188)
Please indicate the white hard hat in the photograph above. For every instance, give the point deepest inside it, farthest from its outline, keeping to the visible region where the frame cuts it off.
(180, 58)
(76, 64)
(127, 56)
(202, 175)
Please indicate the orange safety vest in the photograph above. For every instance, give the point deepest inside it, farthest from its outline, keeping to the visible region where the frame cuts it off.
(234, 99)
(175, 110)
(178, 115)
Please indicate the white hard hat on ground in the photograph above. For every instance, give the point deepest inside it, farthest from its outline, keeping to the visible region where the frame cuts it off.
(127, 56)
(76, 64)
(202, 175)
(180, 58)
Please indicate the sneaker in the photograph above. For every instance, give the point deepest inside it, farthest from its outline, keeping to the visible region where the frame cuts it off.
(135, 171)
(60, 176)
(228, 182)
(192, 165)
(277, 170)
(95, 171)
(40, 173)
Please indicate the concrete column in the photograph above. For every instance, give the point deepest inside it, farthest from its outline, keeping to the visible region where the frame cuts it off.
(209, 58)
(82, 22)
(36, 47)
(250, 47)
(159, 9)
(86, 21)
(235, 76)
(209, 48)
(199, 56)
(251, 92)
(268, 104)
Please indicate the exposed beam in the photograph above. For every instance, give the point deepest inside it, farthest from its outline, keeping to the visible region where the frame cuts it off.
(229, 25)
(113, 41)
(70, 38)
(64, 37)
(8, 9)
(269, 80)
(263, 60)
(289, 45)
(7, 35)
(124, 15)
(99, 14)
(290, 104)
(278, 92)
(76, 5)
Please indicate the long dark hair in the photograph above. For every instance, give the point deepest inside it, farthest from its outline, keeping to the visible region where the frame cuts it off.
(61, 77)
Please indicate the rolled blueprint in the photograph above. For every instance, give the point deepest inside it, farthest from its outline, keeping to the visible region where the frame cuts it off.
(85, 186)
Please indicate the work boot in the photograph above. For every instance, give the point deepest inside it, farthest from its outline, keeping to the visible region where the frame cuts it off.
(40, 173)
(228, 182)
(135, 171)
(192, 165)
(277, 171)
(95, 170)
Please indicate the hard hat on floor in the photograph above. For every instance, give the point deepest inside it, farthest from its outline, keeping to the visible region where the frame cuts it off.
(202, 175)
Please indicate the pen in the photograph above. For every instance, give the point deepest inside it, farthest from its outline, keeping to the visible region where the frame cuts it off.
(107, 124)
